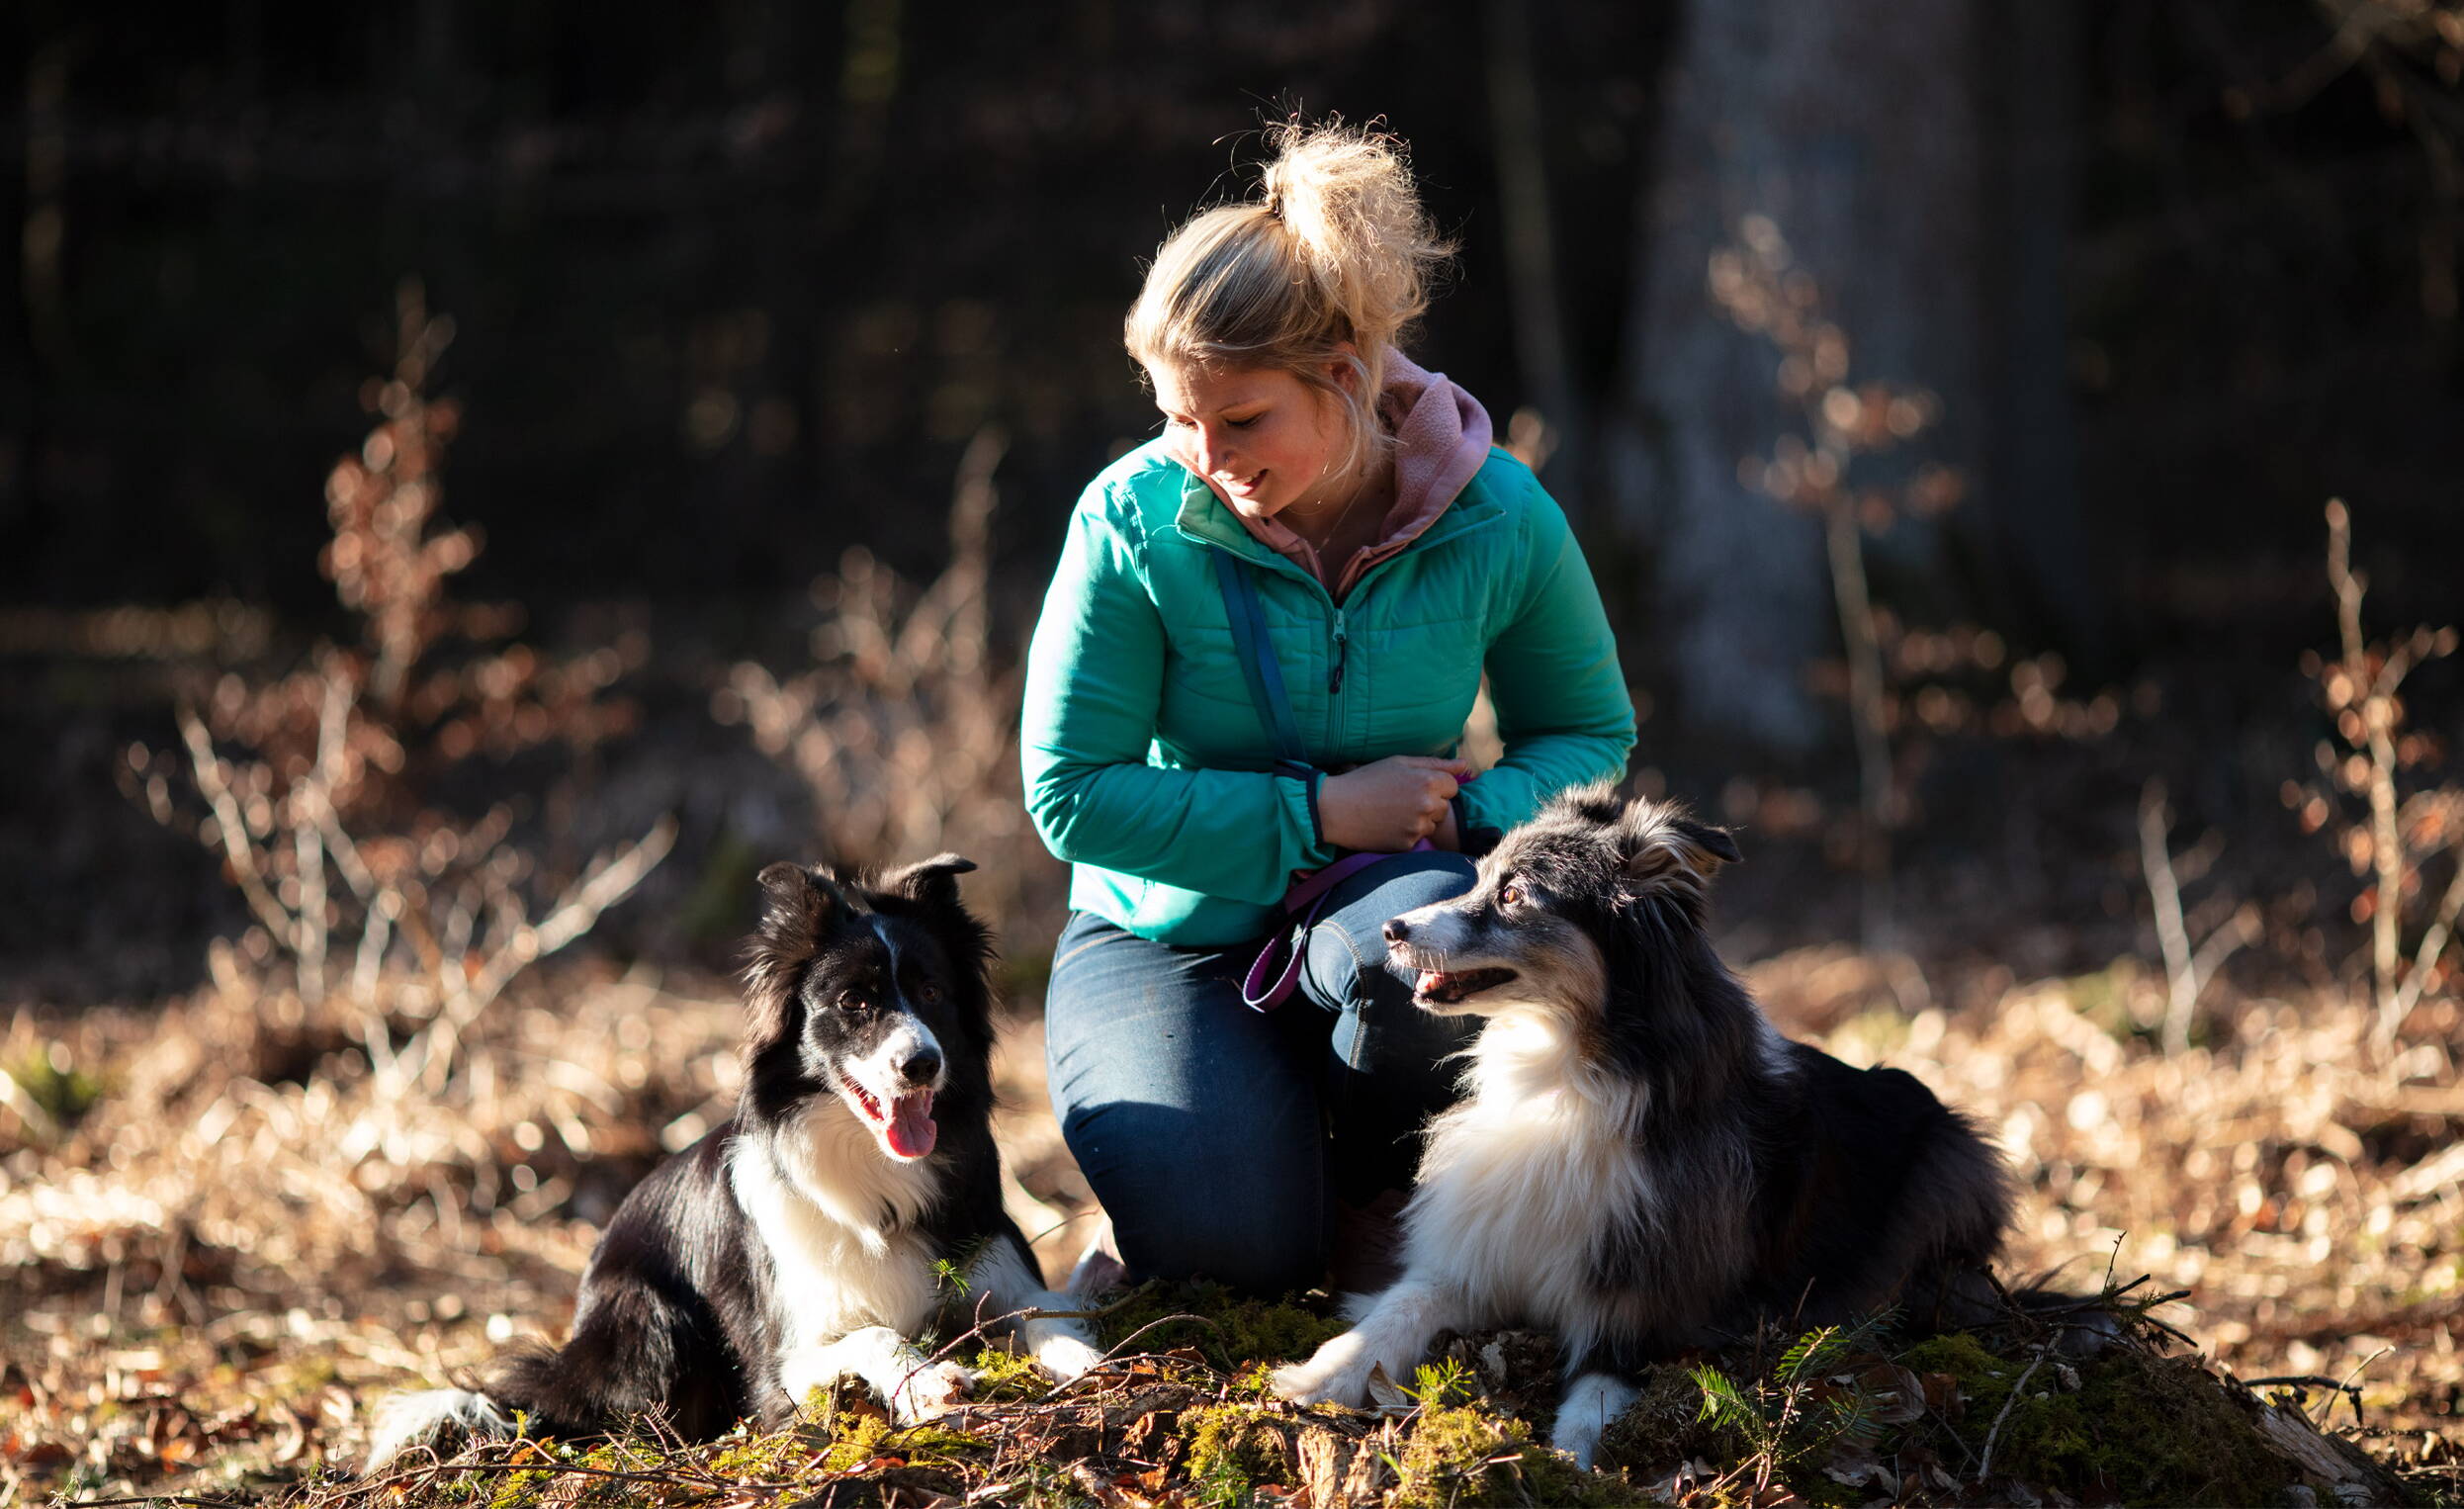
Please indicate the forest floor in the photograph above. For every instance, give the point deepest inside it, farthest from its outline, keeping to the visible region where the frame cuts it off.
(234, 1243)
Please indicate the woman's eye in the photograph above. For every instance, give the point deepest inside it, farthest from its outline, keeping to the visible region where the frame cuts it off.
(1510, 895)
(1244, 423)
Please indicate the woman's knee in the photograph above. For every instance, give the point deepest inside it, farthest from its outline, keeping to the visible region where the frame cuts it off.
(1423, 880)
(1348, 946)
(1194, 1201)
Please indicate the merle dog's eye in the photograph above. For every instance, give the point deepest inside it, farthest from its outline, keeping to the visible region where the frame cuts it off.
(929, 993)
(1510, 895)
(854, 1001)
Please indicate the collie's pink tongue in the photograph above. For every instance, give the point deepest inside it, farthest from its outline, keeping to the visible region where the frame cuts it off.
(912, 1133)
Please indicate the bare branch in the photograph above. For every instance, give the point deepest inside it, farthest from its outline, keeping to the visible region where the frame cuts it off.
(2156, 862)
(215, 784)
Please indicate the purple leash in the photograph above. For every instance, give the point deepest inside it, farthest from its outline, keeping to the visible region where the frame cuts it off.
(1271, 979)
(1277, 971)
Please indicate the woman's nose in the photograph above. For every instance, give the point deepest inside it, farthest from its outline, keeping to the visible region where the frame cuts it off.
(1213, 453)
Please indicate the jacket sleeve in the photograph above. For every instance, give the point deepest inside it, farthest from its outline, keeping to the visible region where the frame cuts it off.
(1094, 681)
(1562, 711)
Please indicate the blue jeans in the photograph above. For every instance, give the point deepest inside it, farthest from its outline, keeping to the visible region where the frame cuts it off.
(1217, 1137)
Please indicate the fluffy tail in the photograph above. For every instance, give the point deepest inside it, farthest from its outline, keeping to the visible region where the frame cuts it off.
(526, 1381)
(406, 1420)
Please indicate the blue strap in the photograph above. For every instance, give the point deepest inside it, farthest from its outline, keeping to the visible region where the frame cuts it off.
(1257, 651)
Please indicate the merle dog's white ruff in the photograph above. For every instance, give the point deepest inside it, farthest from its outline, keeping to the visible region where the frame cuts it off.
(1641, 1163)
(804, 1240)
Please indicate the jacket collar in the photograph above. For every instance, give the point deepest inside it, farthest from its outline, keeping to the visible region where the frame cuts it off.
(1204, 518)
(1441, 440)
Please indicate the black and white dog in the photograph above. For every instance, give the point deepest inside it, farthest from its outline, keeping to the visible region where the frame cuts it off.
(1642, 1163)
(815, 1233)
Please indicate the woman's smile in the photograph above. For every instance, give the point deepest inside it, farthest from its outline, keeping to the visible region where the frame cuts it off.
(1261, 437)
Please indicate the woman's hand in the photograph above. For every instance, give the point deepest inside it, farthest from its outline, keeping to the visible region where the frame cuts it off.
(1391, 803)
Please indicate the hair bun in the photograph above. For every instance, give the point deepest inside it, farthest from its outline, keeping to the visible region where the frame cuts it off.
(1346, 196)
(1326, 267)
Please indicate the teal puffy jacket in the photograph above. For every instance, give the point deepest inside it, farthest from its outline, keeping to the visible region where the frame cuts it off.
(1147, 765)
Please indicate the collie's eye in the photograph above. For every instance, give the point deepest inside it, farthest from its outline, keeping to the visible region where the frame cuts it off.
(1510, 895)
(852, 1001)
(929, 993)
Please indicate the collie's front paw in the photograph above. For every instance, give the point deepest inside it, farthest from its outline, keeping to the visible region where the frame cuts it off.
(930, 1391)
(1067, 1358)
(1337, 1375)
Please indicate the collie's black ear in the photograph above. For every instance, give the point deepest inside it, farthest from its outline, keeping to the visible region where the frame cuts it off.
(933, 880)
(796, 904)
(1663, 848)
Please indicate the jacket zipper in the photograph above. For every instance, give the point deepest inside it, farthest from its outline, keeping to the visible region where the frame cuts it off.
(1334, 675)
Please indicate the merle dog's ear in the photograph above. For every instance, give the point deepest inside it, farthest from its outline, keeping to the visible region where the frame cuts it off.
(1663, 849)
(933, 880)
(796, 905)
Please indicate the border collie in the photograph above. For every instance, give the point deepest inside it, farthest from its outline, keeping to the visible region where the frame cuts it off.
(820, 1229)
(1641, 1162)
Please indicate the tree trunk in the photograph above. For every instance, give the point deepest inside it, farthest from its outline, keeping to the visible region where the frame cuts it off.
(1857, 126)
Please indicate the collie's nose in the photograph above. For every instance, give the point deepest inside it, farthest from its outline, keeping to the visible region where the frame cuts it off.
(1397, 930)
(922, 1066)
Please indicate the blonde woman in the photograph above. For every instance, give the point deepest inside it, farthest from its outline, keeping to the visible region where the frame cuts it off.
(1241, 710)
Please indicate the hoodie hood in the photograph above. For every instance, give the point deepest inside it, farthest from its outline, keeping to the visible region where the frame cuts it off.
(1441, 438)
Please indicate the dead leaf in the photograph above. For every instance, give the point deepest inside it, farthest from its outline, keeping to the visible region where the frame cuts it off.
(1383, 1394)
(1855, 1466)
(1942, 1396)
(1897, 1394)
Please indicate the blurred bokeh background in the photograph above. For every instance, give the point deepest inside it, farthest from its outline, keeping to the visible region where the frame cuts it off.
(1948, 396)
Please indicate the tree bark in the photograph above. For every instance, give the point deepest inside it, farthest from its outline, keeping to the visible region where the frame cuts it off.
(1855, 125)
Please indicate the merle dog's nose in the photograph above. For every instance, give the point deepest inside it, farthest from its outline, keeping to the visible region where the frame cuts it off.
(1397, 930)
(922, 1066)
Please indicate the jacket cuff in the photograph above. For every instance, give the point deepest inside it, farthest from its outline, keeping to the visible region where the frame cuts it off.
(1309, 778)
(1473, 838)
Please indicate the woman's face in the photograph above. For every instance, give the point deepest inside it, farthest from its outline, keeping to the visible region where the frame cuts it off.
(1264, 437)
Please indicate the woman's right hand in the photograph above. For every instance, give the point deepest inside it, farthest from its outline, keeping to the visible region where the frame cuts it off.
(1390, 804)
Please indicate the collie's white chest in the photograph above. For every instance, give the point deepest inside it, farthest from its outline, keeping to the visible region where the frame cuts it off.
(834, 1217)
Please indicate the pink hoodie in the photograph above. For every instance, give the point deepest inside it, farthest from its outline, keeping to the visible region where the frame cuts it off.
(1440, 441)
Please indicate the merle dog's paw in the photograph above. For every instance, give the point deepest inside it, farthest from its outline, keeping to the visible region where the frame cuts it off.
(1337, 1375)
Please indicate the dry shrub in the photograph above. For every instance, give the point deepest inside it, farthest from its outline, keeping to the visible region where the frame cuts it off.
(2406, 823)
(317, 785)
(905, 729)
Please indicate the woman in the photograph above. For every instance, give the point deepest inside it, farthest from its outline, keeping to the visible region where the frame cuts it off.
(1346, 510)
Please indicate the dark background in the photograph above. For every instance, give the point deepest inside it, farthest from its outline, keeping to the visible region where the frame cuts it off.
(733, 286)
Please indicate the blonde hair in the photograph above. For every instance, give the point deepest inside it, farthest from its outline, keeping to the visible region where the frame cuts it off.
(1332, 262)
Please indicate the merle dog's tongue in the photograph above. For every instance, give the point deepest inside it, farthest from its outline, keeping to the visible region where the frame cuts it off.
(912, 1133)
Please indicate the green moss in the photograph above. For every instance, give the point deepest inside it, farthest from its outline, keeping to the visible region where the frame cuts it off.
(1232, 1450)
(1004, 1376)
(2142, 1428)
(1231, 1333)
(1457, 1459)
(750, 1453)
(862, 1438)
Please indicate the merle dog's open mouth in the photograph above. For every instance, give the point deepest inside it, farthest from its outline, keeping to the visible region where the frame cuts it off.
(1446, 988)
(906, 1127)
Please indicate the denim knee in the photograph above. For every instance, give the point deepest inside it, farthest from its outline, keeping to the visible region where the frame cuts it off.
(1347, 945)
